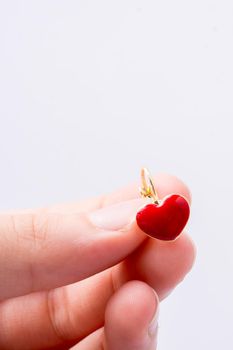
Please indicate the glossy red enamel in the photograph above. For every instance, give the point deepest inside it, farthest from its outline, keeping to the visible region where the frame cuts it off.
(164, 221)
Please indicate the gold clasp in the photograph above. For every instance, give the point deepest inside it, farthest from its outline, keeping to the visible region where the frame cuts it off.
(148, 188)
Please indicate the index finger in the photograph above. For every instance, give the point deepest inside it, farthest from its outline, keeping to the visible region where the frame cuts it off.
(43, 250)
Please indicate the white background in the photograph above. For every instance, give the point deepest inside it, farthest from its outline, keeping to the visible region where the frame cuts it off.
(92, 90)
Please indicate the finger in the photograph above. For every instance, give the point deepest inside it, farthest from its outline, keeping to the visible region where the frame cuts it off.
(72, 312)
(68, 313)
(131, 318)
(30, 241)
(165, 184)
(131, 321)
(161, 264)
(43, 251)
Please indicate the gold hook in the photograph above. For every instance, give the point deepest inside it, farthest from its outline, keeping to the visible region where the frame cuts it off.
(148, 188)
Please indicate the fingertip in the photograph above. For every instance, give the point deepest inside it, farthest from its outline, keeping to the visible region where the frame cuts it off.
(164, 183)
(129, 314)
(167, 184)
(161, 264)
(182, 254)
(135, 297)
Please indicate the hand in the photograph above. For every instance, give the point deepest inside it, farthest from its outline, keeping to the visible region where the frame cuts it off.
(84, 274)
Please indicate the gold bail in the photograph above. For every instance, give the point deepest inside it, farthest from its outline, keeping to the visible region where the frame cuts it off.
(148, 188)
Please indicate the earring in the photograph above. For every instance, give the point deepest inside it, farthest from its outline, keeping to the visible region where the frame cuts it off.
(162, 219)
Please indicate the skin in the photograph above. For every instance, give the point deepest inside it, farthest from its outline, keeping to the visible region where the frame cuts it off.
(83, 276)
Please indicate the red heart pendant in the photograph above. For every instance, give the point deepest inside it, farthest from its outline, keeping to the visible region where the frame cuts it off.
(166, 220)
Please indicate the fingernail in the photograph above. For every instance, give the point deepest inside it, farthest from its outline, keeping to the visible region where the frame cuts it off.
(117, 216)
(153, 327)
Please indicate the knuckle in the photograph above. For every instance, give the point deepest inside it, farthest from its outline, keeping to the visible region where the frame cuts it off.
(33, 229)
(39, 229)
(28, 228)
(59, 315)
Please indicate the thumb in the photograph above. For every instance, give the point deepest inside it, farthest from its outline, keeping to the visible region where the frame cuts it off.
(47, 250)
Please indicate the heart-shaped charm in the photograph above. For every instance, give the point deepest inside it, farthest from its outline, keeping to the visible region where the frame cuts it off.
(165, 220)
